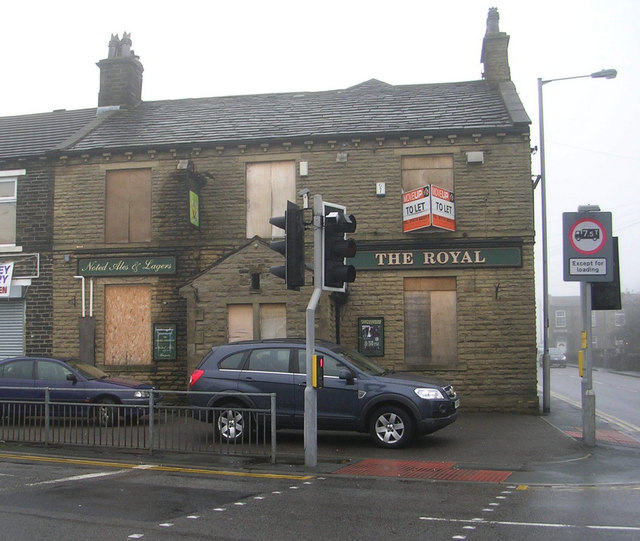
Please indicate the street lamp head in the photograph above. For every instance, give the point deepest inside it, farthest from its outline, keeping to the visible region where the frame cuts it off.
(604, 74)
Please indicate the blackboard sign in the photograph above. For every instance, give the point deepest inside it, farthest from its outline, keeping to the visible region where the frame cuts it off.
(371, 336)
(164, 342)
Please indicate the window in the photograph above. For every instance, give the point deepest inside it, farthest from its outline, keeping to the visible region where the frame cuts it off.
(619, 319)
(127, 324)
(128, 206)
(269, 360)
(52, 371)
(269, 186)
(433, 207)
(232, 362)
(17, 370)
(430, 322)
(8, 202)
(561, 319)
(419, 171)
(332, 366)
(256, 321)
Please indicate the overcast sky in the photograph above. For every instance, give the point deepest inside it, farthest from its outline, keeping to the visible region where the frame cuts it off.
(191, 49)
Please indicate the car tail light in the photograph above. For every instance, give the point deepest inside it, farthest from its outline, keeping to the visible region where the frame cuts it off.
(197, 374)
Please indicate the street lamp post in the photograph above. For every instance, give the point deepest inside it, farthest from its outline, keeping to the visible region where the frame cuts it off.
(546, 365)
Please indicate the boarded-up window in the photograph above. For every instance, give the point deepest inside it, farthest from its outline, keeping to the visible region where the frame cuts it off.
(269, 186)
(259, 321)
(128, 206)
(430, 322)
(240, 322)
(127, 325)
(419, 171)
(273, 321)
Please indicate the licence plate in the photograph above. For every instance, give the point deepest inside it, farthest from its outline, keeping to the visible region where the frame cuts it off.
(456, 404)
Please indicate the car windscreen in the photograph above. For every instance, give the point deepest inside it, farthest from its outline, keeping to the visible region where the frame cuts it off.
(362, 362)
(88, 371)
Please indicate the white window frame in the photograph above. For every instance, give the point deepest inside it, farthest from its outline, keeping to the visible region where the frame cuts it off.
(6, 177)
(561, 319)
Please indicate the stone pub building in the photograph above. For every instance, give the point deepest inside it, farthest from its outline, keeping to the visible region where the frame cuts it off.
(159, 245)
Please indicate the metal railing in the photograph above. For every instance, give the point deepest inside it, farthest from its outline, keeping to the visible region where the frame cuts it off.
(163, 423)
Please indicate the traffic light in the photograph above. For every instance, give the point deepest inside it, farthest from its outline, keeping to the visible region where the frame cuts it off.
(317, 372)
(336, 247)
(292, 247)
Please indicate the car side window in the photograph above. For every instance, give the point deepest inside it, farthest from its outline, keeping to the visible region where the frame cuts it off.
(232, 362)
(332, 366)
(18, 370)
(52, 371)
(269, 360)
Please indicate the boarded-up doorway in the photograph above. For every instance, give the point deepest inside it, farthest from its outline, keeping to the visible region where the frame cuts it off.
(127, 325)
(430, 322)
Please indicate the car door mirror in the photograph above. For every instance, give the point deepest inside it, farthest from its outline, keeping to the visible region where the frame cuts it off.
(72, 377)
(346, 375)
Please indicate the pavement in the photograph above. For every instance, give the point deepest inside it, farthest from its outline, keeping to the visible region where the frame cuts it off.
(479, 447)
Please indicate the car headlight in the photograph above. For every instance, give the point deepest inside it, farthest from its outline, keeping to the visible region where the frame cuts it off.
(141, 394)
(429, 394)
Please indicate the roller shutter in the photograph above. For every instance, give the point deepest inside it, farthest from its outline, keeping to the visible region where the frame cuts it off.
(12, 322)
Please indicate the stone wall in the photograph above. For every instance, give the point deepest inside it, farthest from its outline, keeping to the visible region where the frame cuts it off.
(494, 200)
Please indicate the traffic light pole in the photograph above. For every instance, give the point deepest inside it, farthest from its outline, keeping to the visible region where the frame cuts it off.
(310, 393)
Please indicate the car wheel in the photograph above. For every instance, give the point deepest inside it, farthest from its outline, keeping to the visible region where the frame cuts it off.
(391, 427)
(105, 411)
(231, 423)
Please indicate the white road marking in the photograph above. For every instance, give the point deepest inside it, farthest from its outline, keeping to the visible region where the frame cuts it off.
(531, 524)
(77, 478)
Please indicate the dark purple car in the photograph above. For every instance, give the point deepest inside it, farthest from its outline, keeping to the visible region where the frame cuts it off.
(23, 380)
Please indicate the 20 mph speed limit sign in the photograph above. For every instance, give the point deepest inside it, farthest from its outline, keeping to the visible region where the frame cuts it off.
(587, 246)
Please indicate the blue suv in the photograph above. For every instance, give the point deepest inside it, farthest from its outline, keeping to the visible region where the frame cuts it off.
(357, 395)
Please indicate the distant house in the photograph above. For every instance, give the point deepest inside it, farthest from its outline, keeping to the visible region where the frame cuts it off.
(614, 333)
(160, 244)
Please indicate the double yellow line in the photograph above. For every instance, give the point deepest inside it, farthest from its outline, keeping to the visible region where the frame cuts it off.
(609, 418)
(152, 467)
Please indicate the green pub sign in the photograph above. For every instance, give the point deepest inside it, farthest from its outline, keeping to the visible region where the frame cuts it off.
(438, 258)
(127, 266)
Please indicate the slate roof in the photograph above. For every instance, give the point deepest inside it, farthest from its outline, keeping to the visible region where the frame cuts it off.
(370, 108)
(34, 135)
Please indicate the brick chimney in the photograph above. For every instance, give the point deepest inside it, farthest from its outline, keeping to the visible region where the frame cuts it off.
(494, 51)
(120, 75)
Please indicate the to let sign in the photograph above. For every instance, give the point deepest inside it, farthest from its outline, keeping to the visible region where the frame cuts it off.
(416, 209)
(587, 246)
(429, 206)
(443, 208)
